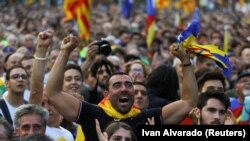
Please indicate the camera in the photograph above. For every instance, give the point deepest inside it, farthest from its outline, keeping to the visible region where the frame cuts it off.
(104, 47)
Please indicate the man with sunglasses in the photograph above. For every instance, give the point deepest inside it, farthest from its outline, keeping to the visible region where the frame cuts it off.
(16, 83)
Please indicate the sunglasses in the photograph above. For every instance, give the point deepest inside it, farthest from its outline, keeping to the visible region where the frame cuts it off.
(17, 76)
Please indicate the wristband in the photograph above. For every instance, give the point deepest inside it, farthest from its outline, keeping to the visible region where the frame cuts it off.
(187, 64)
(40, 59)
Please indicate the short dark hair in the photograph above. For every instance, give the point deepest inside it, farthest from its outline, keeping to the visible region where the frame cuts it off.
(139, 83)
(75, 67)
(114, 74)
(214, 75)
(244, 74)
(243, 68)
(7, 77)
(204, 97)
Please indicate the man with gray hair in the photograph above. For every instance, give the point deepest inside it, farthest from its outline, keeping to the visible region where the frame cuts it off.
(30, 119)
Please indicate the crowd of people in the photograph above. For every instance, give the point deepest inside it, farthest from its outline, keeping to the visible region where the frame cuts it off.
(57, 86)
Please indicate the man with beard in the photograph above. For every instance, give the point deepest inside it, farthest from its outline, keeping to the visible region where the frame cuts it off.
(212, 108)
(209, 82)
(119, 96)
(96, 69)
(101, 71)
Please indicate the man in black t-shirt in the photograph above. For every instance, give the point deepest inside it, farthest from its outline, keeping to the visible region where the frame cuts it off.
(119, 97)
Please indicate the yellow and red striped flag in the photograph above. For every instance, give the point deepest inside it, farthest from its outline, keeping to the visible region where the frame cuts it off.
(187, 38)
(79, 10)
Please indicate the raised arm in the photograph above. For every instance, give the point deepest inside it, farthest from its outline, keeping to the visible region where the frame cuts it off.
(92, 50)
(175, 112)
(44, 40)
(66, 104)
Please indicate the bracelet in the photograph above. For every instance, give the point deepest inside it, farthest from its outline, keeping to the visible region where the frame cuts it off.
(40, 59)
(187, 64)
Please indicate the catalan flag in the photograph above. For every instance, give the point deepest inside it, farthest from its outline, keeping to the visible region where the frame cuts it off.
(126, 8)
(192, 30)
(236, 107)
(187, 37)
(150, 21)
(79, 10)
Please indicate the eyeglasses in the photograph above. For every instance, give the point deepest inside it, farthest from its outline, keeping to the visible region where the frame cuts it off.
(214, 88)
(136, 71)
(16, 76)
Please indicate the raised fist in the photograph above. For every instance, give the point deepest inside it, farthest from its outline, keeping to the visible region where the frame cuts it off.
(70, 42)
(45, 38)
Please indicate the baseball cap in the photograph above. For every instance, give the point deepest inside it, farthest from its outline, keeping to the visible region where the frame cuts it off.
(243, 74)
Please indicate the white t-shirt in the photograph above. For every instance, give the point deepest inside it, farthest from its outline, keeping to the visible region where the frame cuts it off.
(26, 94)
(59, 134)
(46, 77)
(11, 108)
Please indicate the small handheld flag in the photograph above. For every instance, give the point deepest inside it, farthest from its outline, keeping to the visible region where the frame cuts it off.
(187, 37)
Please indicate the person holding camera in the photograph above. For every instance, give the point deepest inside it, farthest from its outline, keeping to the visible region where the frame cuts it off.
(99, 68)
(96, 50)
